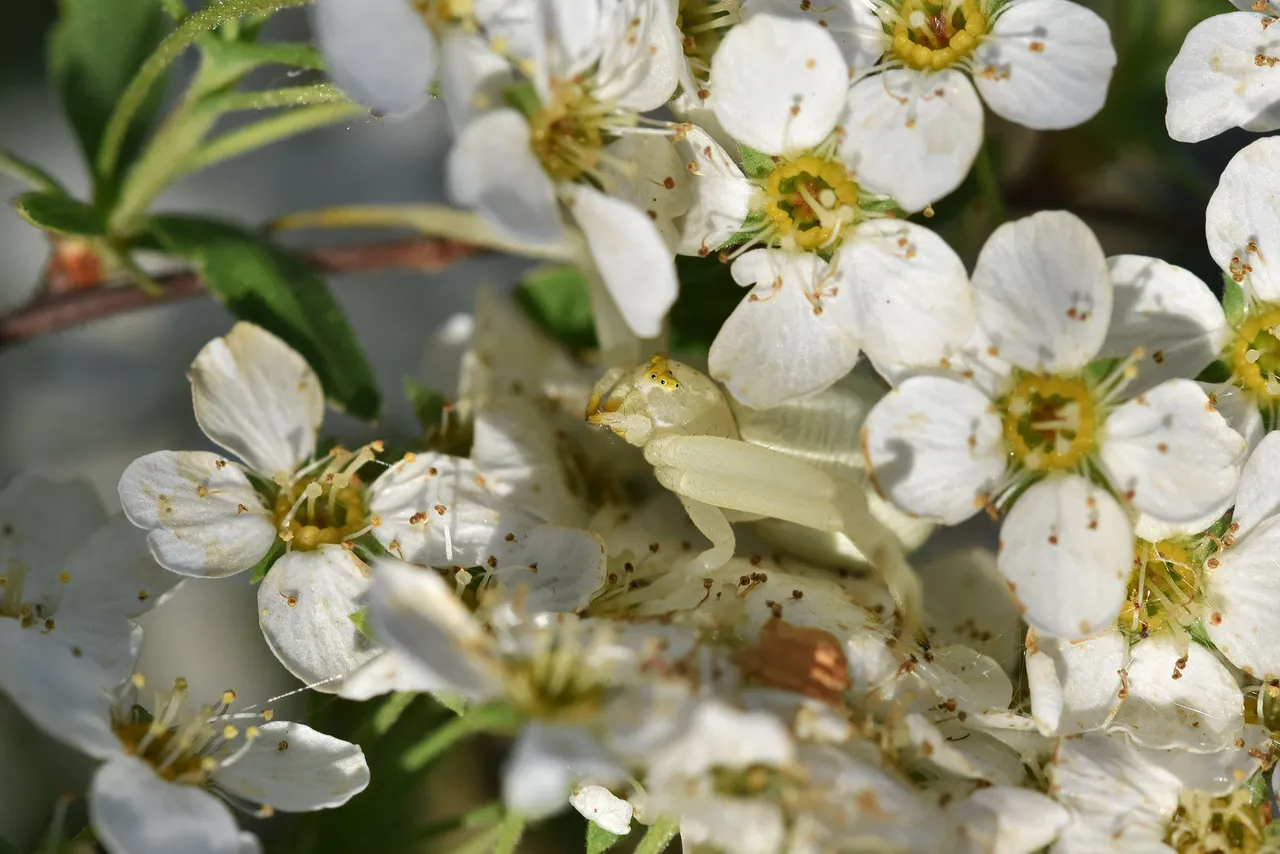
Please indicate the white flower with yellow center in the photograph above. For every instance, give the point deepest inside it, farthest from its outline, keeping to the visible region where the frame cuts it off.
(830, 271)
(583, 689)
(1049, 438)
(1123, 798)
(915, 125)
(166, 779)
(573, 144)
(1225, 75)
(71, 582)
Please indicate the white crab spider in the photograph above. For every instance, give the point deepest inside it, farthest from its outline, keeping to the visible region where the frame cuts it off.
(689, 433)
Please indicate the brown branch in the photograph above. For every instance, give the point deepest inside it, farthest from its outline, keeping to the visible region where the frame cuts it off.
(54, 312)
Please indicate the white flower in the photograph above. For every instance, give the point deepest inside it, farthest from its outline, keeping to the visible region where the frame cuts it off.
(915, 126)
(71, 580)
(835, 274)
(577, 144)
(1123, 798)
(1223, 75)
(585, 688)
(1163, 693)
(165, 781)
(943, 449)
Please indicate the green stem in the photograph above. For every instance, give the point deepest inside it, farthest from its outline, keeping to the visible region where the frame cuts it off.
(478, 817)
(658, 836)
(391, 710)
(492, 718)
(161, 58)
(266, 99)
(510, 831)
(482, 842)
(176, 9)
(29, 172)
(989, 185)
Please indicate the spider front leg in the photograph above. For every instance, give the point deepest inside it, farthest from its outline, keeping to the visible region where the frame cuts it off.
(712, 475)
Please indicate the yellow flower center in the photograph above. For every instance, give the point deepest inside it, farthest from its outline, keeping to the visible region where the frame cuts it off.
(1254, 355)
(568, 131)
(440, 15)
(810, 201)
(1050, 422)
(1164, 583)
(702, 25)
(1224, 825)
(318, 511)
(931, 35)
(559, 681)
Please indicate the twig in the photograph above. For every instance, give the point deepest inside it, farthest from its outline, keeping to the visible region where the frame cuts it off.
(54, 312)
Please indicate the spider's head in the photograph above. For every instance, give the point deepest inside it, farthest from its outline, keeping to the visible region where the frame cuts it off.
(660, 398)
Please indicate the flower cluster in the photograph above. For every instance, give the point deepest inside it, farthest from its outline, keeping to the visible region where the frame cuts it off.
(693, 589)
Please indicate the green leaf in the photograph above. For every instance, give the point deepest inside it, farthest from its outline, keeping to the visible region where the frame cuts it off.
(95, 50)
(599, 840)
(1232, 300)
(708, 295)
(260, 569)
(1198, 634)
(455, 703)
(53, 211)
(557, 299)
(754, 163)
(228, 61)
(27, 171)
(360, 619)
(264, 284)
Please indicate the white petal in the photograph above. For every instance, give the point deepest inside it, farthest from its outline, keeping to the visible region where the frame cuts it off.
(412, 609)
(256, 397)
(545, 763)
(784, 340)
(1168, 312)
(912, 136)
(721, 736)
(1239, 409)
(935, 448)
(1179, 699)
(294, 768)
(517, 452)
(112, 573)
(1221, 772)
(854, 26)
(1243, 599)
(1243, 211)
(305, 605)
(133, 810)
(719, 194)
(492, 169)
(63, 694)
(555, 569)
(1171, 454)
(435, 511)
(637, 70)
(972, 680)
(968, 754)
(1066, 551)
(41, 523)
(913, 306)
(1008, 820)
(597, 804)
(967, 603)
(778, 85)
(1075, 685)
(631, 255)
(1215, 83)
(472, 77)
(379, 51)
(1046, 64)
(1044, 292)
(1258, 498)
(203, 516)
(390, 670)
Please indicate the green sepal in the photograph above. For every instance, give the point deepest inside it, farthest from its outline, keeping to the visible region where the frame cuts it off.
(452, 701)
(264, 284)
(600, 840)
(1232, 300)
(882, 205)
(53, 211)
(360, 619)
(259, 570)
(755, 164)
(12, 164)
(1197, 633)
(523, 98)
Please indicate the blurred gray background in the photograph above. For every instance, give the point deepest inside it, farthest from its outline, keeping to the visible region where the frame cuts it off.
(86, 402)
